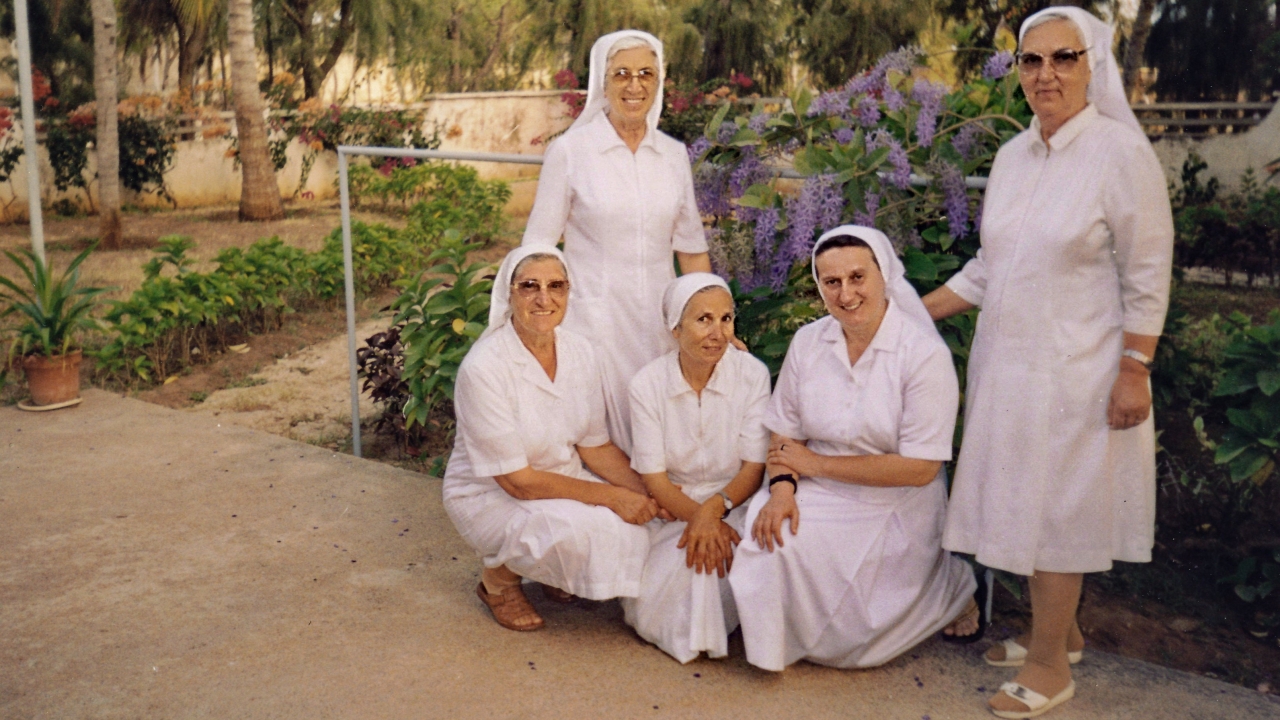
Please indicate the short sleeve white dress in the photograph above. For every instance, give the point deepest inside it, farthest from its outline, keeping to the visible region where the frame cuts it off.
(701, 444)
(621, 215)
(1077, 244)
(866, 578)
(510, 416)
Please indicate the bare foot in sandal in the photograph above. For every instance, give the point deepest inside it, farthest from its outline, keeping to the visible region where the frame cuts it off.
(511, 608)
(998, 654)
(966, 623)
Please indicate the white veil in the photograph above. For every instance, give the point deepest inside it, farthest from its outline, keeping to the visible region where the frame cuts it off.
(1106, 89)
(597, 103)
(896, 287)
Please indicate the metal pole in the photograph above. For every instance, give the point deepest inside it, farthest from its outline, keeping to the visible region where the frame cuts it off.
(29, 127)
(349, 283)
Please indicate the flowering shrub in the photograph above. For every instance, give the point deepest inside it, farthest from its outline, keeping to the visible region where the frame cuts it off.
(889, 149)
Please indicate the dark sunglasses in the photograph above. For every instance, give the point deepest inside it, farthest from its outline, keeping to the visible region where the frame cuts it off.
(1062, 60)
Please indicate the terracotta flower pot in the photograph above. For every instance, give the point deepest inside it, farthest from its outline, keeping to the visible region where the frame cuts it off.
(53, 379)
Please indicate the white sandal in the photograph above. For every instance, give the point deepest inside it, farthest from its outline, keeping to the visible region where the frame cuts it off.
(1016, 656)
(1036, 703)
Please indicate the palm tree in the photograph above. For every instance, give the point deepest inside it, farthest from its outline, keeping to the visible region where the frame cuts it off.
(259, 192)
(108, 140)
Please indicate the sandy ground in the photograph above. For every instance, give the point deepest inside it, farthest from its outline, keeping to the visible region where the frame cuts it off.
(164, 564)
(305, 396)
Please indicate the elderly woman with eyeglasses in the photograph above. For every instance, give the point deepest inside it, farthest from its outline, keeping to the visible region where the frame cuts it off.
(845, 566)
(620, 194)
(699, 444)
(534, 484)
(1056, 474)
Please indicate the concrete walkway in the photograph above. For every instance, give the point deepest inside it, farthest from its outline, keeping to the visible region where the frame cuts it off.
(157, 564)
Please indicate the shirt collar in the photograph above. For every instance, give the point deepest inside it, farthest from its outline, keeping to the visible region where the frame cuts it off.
(1069, 131)
(530, 369)
(718, 383)
(609, 139)
(885, 340)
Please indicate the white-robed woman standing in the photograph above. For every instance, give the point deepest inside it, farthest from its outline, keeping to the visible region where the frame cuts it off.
(1056, 475)
(534, 484)
(699, 443)
(620, 194)
(862, 420)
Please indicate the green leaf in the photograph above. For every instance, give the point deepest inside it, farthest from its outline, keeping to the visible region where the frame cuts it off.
(712, 130)
(1269, 381)
(800, 102)
(919, 266)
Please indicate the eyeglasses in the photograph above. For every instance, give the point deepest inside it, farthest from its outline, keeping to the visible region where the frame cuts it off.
(531, 288)
(1063, 61)
(623, 76)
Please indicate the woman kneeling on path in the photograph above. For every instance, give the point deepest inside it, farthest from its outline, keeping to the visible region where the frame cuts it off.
(523, 486)
(699, 443)
(862, 420)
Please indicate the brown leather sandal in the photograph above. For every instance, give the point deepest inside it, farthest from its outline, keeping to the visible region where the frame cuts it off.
(555, 594)
(510, 607)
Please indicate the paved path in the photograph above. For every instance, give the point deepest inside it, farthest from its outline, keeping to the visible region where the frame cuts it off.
(156, 564)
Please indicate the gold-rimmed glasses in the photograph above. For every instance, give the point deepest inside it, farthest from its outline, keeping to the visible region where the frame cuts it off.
(532, 288)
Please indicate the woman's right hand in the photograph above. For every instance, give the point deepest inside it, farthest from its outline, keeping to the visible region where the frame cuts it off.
(708, 541)
(633, 507)
(781, 506)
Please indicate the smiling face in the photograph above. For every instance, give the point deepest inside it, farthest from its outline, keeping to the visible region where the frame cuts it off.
(631, 84)
(852, 287)
(539, 296)
(705, 327)
(1055, 95)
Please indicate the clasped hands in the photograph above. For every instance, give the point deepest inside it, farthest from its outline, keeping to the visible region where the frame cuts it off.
(708, 541)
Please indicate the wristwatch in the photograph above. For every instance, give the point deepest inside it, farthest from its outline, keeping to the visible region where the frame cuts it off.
(1136, 355)
(728, 504)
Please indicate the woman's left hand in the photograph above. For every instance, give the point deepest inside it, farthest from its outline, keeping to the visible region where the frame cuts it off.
(708, 542)
(794, 456)
(1130, 400)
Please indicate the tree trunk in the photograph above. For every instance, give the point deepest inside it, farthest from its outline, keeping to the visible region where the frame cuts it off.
(1137, 47)
(108, 141)
(259, 193)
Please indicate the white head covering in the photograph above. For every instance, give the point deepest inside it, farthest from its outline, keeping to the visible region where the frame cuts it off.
(500, 299)
(681, 290)
(896, 287)
(1106, 89)
(597, 103)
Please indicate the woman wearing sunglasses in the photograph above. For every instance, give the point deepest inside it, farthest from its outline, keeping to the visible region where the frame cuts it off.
(1056, 474)
(699, 443)
(620, 194)
(533, 484)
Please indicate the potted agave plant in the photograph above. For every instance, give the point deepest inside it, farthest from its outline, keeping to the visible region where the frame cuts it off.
(52, 310)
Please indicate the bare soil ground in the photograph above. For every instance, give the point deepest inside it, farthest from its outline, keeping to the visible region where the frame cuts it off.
(293, 383)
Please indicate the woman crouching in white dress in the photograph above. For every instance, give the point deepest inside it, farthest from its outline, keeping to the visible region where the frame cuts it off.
(699, 443)
(862, 420)
(523, 486)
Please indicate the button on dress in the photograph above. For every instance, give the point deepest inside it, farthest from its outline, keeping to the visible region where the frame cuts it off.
(511, 416)
(866, 577)
(701, 444)
(621, 215)
(1077, 243)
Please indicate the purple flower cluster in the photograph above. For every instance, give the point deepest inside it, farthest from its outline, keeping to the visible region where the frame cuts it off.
(930, 96)
(727, 131)
(711, 189)
(696, 149)
(748, 172)
(819, 206)
(868, 218)
(872, 82)
(900, 176)
(868, 111)
(758, 122)
(967, 141)
(954, 198)
(844, 136)
(998, 65)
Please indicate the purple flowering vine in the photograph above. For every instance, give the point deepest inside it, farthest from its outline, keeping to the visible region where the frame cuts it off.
(844, 136)
(819, 206)
(998, 65)
(868, 111)
(955, 198)
(900, 176)
(967, 141)
(930, 96)
(868, 218)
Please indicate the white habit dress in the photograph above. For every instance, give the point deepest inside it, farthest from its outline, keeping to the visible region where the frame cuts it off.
(701, 445)
(622, 215)
(510, 416)
(1077, 242)
(866, 578)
